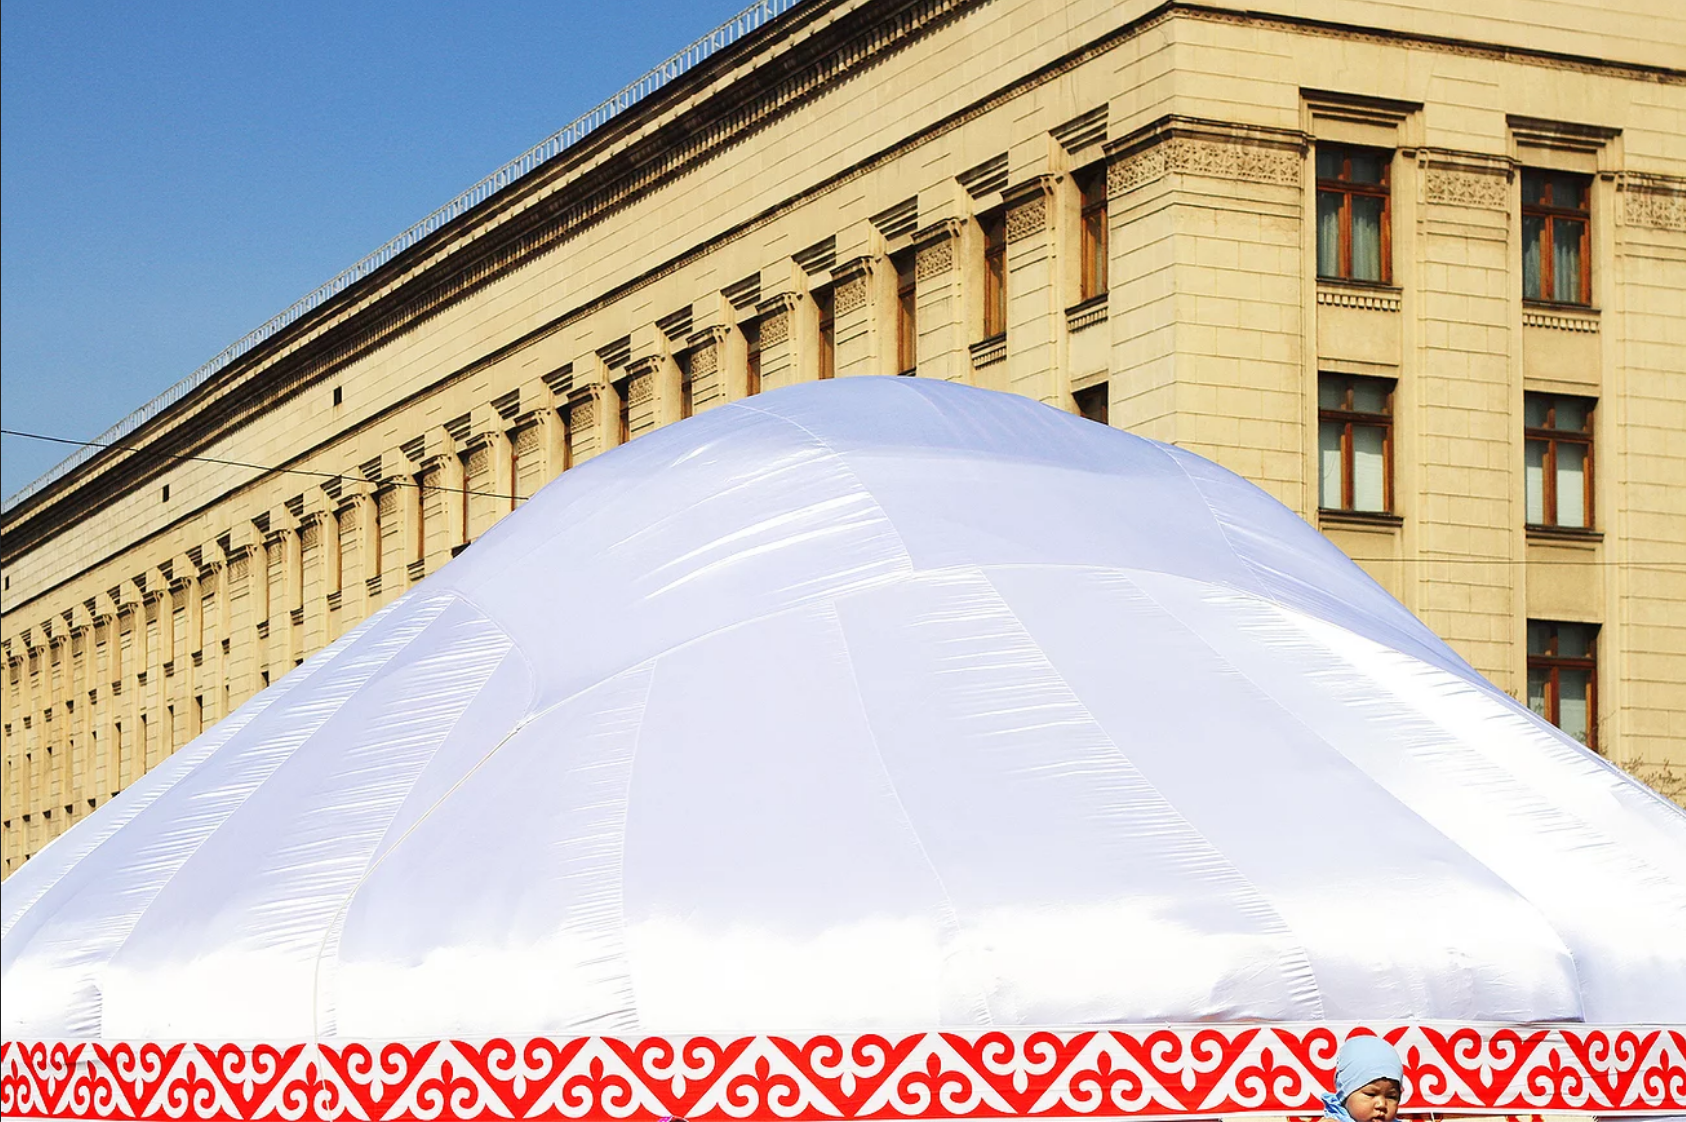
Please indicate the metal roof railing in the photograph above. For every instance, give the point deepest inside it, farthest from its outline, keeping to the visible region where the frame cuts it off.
(740, 25)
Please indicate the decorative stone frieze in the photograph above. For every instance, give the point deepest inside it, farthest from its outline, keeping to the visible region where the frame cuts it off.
(1177, 146)
(1027, 207)
(934, 247)
(1483, 189)
(853, 281)
(1370, 299)
(1655, 201)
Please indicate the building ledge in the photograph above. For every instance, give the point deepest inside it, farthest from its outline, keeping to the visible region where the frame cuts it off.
(1360, 519)
(1086, 314)
(989, 351)
(1565, 535)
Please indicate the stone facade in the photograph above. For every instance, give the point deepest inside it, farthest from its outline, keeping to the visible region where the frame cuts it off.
(680, 258)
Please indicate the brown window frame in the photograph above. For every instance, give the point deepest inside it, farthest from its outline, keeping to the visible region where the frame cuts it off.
(1342, 185)
(994, 225)
(907, 312)
(1552, 436)
(1551, 214)
(1093, 261)
(1347, 418)
(1552, 663)
(623, 409)
(826, 303)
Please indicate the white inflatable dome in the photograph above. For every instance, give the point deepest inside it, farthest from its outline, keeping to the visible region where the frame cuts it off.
(866, 704)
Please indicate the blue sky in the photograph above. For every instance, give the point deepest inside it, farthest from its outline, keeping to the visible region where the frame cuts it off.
(173, 174)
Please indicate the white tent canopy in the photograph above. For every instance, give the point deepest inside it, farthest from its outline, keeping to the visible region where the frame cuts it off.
(871, 704)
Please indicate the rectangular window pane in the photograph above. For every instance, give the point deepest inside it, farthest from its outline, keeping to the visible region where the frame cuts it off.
(1369, 395)
(1328, 234)
(1568, 192)
(1533, 188)
(1367, 167)
(1331, 392)
(1571, 484)
(1328, 163)
(1366, 238)
(1573, 713)
(1539, 637)
(1537, 681)
(1533, 233)
(1533, 481)
(1566, 261)
(1329, 464)
(1571, 414)
(1369, 467)
(1574, 640)
(1536, 410)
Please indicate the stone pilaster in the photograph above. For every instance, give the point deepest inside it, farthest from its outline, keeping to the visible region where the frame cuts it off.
(593, 420)
(944, 311)
(862, 317)
(1036, 328)
(785, 341)
(710, 366)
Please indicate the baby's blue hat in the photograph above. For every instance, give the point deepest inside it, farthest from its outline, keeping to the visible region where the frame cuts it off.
(1362, 1060)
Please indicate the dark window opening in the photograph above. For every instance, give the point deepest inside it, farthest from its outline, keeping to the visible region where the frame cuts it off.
(1092, 402)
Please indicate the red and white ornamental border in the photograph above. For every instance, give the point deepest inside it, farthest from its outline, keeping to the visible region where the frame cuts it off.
(1130, 1072)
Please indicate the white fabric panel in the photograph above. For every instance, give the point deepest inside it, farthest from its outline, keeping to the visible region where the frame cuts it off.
(877, 703)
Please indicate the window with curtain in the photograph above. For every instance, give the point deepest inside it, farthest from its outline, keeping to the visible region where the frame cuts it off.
(1355, 443)
(1354, 240)
(995, 273)
(1563, 676)
(1556, 262)
(1092, 233)
(1557, 466)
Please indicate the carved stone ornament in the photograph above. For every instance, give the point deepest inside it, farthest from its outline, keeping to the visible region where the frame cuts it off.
(1027, 218)
(1213, 159)
(1483, 190)
(775, 327)
(583, 412)
(934, 259)
(705, 359)
(640, 388)
(851, 295)
(1657, 202)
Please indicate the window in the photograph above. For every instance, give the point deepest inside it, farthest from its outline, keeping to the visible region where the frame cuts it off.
(687, 391)
(824, 300)
(1557, 468)
(995, 274)
(623, 410)
(752, 346)
(1556, 262)
(1355, 443)
(1563, 676)
(907, 321)
(1092, 255)
(1353, 237)
(1092, 402)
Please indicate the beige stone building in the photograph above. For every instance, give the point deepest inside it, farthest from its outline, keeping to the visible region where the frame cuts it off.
(1417, 270)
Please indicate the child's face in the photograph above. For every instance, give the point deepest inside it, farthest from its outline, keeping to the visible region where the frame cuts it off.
(1376, 1101)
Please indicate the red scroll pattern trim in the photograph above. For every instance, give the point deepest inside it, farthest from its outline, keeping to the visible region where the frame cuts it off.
(1160, 1072)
